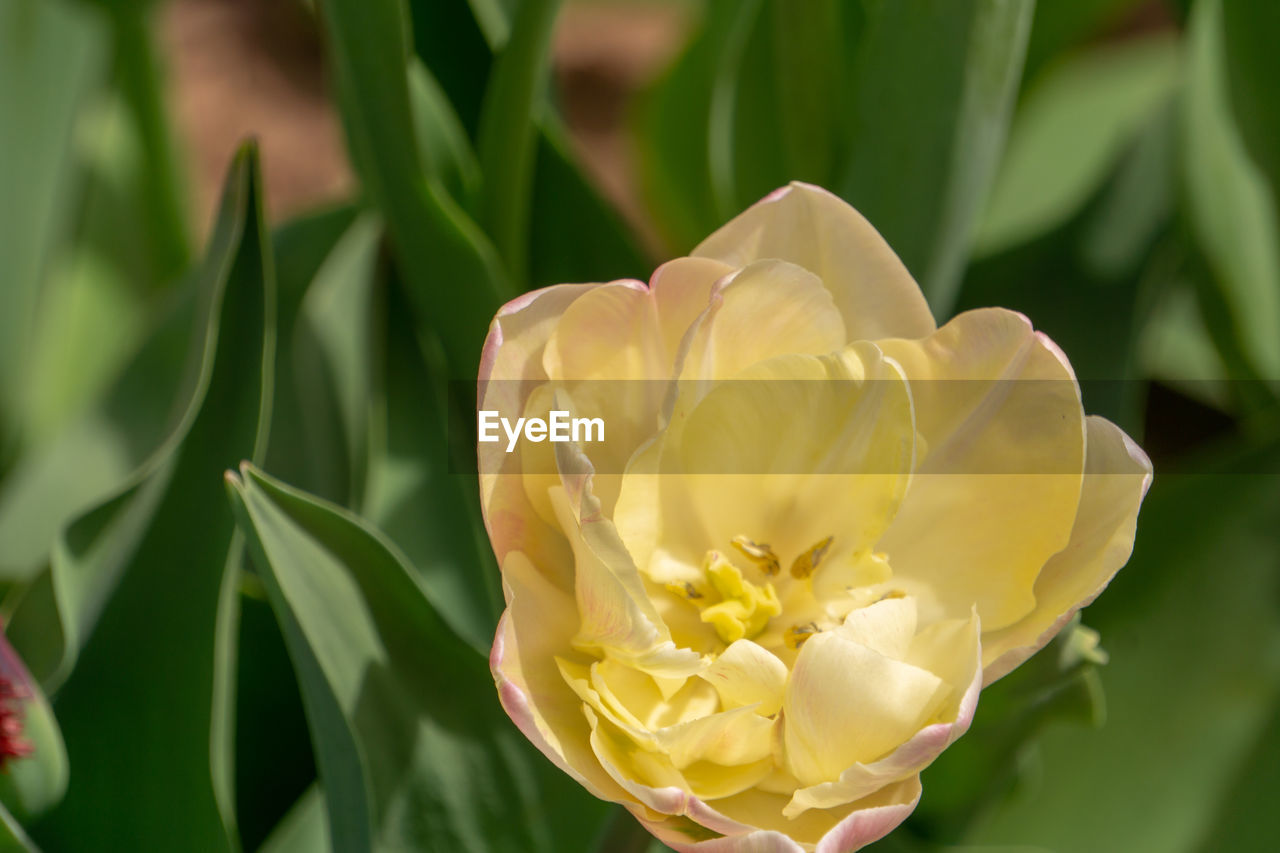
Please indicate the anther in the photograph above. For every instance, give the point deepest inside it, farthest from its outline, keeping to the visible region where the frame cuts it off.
(807, 563)
(798, 635)
(759, 553)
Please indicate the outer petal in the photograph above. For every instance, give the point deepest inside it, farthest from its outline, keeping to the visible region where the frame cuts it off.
(537, 625)
(810, 227)
(767, 309)
(847, 704)
(1117, 475)
(996, 490)
(833, 831)
(925, 745)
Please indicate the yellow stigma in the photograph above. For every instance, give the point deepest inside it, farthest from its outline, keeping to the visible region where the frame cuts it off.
(744, 608)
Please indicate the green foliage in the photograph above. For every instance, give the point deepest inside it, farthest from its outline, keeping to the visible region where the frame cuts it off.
(415, 753)
(236, 663)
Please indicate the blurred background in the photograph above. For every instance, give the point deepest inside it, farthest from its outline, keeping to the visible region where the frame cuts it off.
(173, 301)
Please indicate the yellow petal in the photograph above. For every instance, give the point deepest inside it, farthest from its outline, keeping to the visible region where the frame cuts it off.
(847, 704)
(530, 685)
(767, 309)
(1117, 474)
(614, 610)
(739, 736)
(510, 368)
(835, 462)
(747, 674)
(808, 226)
(886, 627)
(995, 495)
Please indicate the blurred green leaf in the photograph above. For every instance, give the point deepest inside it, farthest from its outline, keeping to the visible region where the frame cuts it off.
(1090, 283)
(1059, 27)
(428, 509)
(13, 837)
(450, 41)
(1230, 212)
(1247, 818)
(52, 58)
(1253, 66)
(442, 141)
(1069, 133)
(1193, 627)
(307, 444)
(159, 189)
(414, 751)
(671, 136)
(921, 93)
(34, 784)
(505, 139)
(141, 585)
(453, 269)
(933, 88)
(1059, 684)
(305, 829)
(333, 352)
(576, 234)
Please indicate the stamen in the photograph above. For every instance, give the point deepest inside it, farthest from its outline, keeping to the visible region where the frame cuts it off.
(759, 553)
(807, 563)
(684, 590)
(798, 635)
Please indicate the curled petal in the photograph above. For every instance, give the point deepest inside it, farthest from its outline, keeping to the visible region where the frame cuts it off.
(996, 488)
(1117, 475)
(811, 228)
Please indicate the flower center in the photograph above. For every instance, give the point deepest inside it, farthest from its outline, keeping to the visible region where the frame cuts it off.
(743, 609)
(736, 607)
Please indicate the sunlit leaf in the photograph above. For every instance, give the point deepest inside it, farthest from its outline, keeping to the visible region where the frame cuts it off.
(414, 751)
(140, 587)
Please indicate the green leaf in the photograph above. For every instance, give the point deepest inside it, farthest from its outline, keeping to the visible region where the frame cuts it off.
(576, 235)
(451, 43)
(1194, 675)
(921, 95)
(140, 587)
(932, 93)
(1059, 27)
(506, 137)
(414, 751)
(1069, 132)
(13, 837)
(305, 829)
(52, 58)
(1091, 282)
(1059, 684)
(1253, 66)
(307, 444)
(672, 136)
(425, 504)
(333, 354)
(1230, 211)
(442, 141)
(452, 268)
(274, 763)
